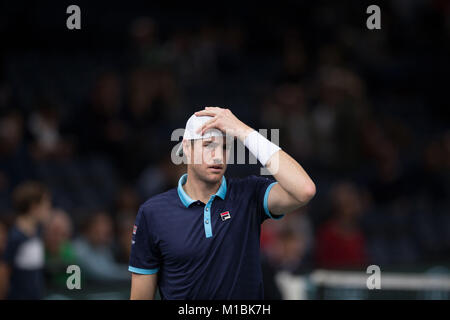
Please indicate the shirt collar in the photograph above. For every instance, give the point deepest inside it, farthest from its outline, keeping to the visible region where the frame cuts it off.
(187, 201)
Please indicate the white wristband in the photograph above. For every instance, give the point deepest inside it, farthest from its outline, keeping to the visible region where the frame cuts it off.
(260, 147)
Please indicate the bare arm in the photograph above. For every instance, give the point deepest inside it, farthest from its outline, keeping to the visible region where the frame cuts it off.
(4, 279)
(143, 286)
(294, 189)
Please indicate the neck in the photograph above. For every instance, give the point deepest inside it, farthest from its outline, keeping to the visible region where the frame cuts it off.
(27, 224)
(200, 190)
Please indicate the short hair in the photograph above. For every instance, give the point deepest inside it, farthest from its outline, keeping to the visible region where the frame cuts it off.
(28, 194)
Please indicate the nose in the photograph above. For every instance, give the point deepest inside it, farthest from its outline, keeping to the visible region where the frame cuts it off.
(217, 155)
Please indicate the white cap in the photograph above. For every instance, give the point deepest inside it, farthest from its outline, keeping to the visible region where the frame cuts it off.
(192, 125)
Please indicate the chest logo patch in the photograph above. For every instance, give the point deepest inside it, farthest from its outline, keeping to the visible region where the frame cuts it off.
(225, 215)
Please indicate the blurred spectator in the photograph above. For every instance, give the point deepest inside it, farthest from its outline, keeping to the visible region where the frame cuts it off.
(15, 161)
(389, 184)
(45, 128)
(295, 60)
(4, 192)
(125, 225)
(433, 174)
(271, 289)
(3, 237)
(160, 177)
(336, 117)
(127, 202)
(59, 252)
(288, 243)
(286, 110)
(146, 48)
(95, 253)
(126, 208)
(151, 103)
(340, 242)
(103, 131)
(349, 104)
(22, 263)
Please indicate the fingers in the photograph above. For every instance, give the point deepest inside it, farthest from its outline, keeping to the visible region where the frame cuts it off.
(207, 125)
(205, 113)
(212, 112)
(211, 126)
(208, 111)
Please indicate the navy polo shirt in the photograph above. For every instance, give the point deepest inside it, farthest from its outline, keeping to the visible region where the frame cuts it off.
(204, 251)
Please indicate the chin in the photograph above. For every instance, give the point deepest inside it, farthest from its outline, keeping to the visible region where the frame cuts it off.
(209, 176)
(213, 177)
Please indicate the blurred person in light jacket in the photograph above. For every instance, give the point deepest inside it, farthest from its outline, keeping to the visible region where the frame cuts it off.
(95, 253)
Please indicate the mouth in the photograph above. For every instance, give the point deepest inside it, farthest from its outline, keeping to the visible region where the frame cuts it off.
(215, 168)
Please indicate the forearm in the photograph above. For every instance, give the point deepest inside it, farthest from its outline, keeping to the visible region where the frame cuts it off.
(295, 188)
(291, 176)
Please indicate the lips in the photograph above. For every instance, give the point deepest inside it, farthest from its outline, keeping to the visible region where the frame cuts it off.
(215, 167)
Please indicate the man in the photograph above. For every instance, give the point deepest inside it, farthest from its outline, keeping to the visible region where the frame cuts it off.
(201, 239)
(22, 263)
(94, 250)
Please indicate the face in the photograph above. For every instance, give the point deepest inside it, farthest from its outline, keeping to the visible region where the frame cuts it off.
(43, 209)
(57, 231)
(101, 230)
(207, 158)
(347, 201)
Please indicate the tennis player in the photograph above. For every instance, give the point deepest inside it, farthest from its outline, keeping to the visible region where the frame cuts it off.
(201, 240)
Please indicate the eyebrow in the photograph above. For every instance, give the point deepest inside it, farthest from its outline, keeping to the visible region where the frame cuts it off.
(210, 140)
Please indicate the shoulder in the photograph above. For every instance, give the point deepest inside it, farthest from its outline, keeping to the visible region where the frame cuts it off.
(248, 187)
(15, 235)
(15, 239)
(159, 201)
(249, 181)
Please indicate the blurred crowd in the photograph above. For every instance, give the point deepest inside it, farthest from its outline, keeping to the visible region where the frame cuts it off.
(360, 110)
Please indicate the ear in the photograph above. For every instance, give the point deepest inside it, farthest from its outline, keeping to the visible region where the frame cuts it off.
(187, 149)
(186, 145)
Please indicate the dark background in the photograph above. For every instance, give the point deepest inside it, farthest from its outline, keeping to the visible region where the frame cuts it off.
(90, 112)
